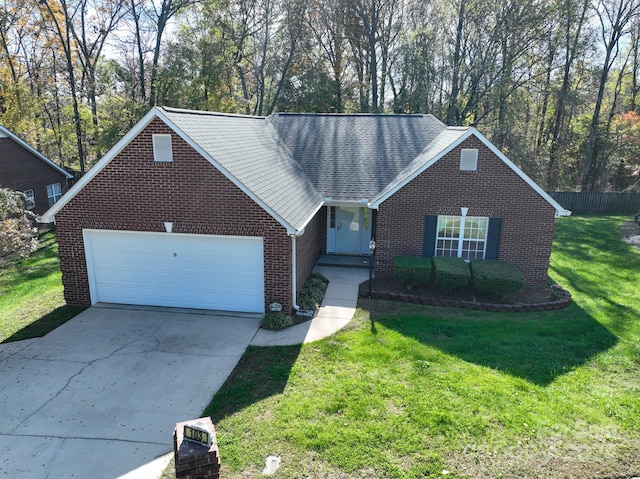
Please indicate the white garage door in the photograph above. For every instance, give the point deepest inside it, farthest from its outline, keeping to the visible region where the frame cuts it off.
(168, 269)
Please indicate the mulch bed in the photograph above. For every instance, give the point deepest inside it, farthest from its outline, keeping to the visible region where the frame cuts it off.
(631, 233)
(531, 298)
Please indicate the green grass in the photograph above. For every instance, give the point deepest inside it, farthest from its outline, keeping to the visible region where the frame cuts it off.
(31, 294)
(409, 392)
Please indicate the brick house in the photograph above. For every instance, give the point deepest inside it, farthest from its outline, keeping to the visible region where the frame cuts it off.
(22, 168)
(230, 212)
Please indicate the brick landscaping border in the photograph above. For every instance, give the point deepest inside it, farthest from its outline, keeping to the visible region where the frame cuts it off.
(560, 303)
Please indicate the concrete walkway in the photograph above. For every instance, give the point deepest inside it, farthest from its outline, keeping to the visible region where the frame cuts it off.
(336, 311)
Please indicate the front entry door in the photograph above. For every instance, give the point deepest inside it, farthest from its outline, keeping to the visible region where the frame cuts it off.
(348, 224)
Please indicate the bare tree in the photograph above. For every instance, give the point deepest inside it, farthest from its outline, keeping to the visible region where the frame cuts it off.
(61, 15)
(573, 17)
(97, 19)
(161, 15)
(328, 22)
(614, 17)
(373, 31)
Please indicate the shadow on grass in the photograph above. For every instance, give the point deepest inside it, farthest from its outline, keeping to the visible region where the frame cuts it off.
(594, 263)
(591, 260)
(260, 374)
(46, 324)
(537, 347)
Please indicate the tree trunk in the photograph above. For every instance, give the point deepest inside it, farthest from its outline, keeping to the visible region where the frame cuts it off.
(595, 123)
(453, 111)
(167, 10)
(139, 50)
(65, 42)
(571, 47)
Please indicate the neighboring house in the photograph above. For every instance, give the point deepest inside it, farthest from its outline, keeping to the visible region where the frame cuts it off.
(22, 168)
(229, 212)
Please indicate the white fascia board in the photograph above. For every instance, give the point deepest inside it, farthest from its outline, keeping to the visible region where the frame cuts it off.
(349, 203)
(28, 147)
(291, 230)
(560, 211)
(49, 215)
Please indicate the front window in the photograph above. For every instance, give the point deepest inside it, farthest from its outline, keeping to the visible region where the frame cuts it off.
(29, 199)
(54, 192)
(462, 237)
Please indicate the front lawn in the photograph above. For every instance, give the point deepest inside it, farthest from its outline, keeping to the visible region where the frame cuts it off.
(31, 294)
(409, 392)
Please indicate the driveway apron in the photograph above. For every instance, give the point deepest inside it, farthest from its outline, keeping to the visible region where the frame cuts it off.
(99, 396)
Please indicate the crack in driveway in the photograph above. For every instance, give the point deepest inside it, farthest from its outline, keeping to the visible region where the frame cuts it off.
(112, 383)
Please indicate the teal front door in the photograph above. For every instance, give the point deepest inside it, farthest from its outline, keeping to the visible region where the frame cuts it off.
(348, 224)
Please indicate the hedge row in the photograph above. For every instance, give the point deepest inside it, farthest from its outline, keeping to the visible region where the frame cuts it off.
(490, 277)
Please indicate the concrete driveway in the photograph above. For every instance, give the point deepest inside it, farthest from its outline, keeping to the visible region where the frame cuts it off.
(99, 396)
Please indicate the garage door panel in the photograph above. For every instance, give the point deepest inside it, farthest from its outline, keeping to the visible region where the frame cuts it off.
(196, 271)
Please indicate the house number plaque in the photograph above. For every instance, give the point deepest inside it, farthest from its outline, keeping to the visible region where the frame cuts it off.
(198, 433)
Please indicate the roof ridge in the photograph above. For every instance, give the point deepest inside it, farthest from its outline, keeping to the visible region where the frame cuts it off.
(207, 113)
(367, 115)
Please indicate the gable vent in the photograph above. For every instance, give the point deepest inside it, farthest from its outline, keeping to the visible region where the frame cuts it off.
(162, 151)
(469, 159)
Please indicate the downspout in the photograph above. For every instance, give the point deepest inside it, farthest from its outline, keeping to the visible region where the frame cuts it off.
(294, 271)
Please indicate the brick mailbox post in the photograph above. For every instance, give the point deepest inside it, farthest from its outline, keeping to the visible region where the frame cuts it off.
(196, 450)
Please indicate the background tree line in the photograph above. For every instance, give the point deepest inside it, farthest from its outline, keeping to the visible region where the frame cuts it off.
(553, 83)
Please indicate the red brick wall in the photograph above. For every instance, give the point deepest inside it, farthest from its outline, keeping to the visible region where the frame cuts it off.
(307, 249)
(494, 190)
(134, 193)
(20, 170)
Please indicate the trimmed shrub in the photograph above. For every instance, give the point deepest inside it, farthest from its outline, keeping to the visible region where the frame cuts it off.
(496, 278)
(412, 271)
(276, 320)
(451, 273)
(313, 292)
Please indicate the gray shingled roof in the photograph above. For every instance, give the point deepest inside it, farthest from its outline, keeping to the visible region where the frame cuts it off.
(355, 156)
(289, 163)
(248, 150)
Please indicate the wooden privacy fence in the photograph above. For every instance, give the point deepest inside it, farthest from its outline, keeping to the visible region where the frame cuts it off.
(599, 203)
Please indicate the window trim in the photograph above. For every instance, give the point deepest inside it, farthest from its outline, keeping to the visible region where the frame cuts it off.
(459, 238)
(29, 199)
(54, 193)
